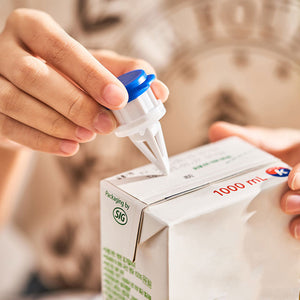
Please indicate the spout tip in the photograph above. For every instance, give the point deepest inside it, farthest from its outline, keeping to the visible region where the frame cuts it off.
(165, 167)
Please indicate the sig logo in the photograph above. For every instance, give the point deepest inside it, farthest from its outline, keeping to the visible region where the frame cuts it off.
(278, 171)
(120, 216)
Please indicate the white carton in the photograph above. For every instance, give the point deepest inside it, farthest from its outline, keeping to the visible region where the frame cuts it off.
(212, 229)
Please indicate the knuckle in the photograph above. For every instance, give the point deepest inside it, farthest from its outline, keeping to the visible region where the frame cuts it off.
(38, 141)
(28, 16)
(56, 126)
(34, 22)
(44, 143)
(57, 48)
(14, 18)
(5, 126)
(75, 108)
(16, 15)
(8, 95)
(90, 75)
(27, 70)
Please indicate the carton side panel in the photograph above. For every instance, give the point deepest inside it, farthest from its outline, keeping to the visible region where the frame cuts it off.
(243, 247)
(119, 221)
(205, 252)
(152, 260)
(144, 279)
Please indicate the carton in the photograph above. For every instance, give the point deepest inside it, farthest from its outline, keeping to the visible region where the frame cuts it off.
(212, 229)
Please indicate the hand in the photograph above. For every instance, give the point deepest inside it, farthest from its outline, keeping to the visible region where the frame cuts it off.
(53, 92)
(282, 143)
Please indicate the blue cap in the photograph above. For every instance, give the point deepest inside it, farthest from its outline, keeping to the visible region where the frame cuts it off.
(136, 83)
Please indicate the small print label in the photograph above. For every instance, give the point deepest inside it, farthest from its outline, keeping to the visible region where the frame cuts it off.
(121, 278)
(278, 171)
(120, 216)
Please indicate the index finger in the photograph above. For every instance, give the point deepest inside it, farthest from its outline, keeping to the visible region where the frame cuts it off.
(45, 38)
(119, 64)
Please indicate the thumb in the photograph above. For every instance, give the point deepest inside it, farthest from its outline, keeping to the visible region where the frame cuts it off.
(294, 178)
(283, 143)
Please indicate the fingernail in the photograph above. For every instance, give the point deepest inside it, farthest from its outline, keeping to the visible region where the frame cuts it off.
(295, 185)
(114, 95)
(292, 203)
(104, 123)
(69, 147)
(84, 134)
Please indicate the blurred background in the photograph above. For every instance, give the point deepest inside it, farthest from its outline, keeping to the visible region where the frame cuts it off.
(230, 60)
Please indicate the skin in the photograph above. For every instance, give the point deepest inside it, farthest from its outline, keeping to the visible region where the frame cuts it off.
(283, 143)
(54, 93)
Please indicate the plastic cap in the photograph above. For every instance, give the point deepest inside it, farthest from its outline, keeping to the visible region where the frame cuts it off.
(136, 83)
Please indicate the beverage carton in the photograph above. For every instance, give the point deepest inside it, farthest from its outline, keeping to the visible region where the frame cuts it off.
(212, 229)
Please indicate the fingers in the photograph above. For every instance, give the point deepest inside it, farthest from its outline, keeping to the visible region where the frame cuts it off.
(220, 130)
(28, 110)
(35, 139)
(290, 201)
(294, 178)
(46, 39)
(295, 228)
(265, 138)
(283, 143)
(119, 65)
(160, 90)
(259, 137)
(42, 82)
(49, 84)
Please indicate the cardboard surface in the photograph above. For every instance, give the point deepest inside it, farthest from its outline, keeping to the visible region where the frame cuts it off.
(212, 229)
(192, 169)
